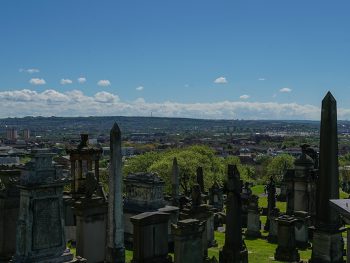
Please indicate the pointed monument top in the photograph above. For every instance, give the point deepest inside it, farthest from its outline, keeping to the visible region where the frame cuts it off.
(115, 129)
(329, 97)
(175, 161)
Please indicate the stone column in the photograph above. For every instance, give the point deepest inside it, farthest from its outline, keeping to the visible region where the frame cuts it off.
(327, 239)
(188, 241)
(175, 182)
(200, 179)
(115, 235)
(97, 170)
(234, 250)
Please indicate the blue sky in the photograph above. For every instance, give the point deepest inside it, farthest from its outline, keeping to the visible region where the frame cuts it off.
(210, 59)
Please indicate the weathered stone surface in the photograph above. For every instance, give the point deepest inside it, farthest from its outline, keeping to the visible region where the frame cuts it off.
(115, 234)
(150, 244)
(254, 223)
(188, 241)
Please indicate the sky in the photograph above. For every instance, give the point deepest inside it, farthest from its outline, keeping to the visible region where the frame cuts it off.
(229, 59)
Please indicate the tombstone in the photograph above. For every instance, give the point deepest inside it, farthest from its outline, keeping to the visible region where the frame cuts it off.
(302, 225)
(9, 209)
(175, 184)
(200, 179)
(143, 193)
(40, 227)
(286, 249)
(173, 212)
(327, 245)
(342, 206)
(91, 216)
(301, 184)
(216, 199)
(245, 195)
(115, 230)
(201, 212)
(188, 241)
(254, 223)
(150, 245)
(271, 201)
(273, 229)
(234, 250)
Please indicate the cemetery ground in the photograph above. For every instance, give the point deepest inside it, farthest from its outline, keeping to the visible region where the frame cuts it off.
(259, 249)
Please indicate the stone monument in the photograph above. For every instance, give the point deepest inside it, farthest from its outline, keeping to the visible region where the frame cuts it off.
(40, 228)
(271, 201)
(234, 250)
(175, 184)
(115, 230)
(327, 245)
(254, 223)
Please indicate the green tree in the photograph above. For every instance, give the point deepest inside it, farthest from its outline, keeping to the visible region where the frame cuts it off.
(279, 165)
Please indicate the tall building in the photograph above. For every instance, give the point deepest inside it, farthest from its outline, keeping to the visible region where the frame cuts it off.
(26, 134)
(12, 134)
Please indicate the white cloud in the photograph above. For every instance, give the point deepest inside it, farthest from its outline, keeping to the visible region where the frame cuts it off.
(261, 79)
(37, 81)
(104, 83)
(220, 80)
(29, 70)
(285, 90)
(81, 80)
(244, 97)
(66, 81)
(17, 103)
(140, 88)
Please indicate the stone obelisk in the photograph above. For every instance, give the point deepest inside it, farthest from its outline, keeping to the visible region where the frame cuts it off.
(115, 234)
(234, 250)
(327, 243)
(175, 183)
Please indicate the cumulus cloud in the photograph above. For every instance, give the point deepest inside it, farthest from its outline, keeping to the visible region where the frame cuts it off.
(104, 83)
(285, 90)
(220, 80)
(244, 97)
(18, 103)
(81, 80)
(66, 81)
(29, 70)
(37, 81)
(139, 88)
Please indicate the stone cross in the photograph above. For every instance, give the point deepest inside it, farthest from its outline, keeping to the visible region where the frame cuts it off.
(234, 250)
(115, 235)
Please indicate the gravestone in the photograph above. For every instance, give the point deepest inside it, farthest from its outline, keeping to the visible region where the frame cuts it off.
(216, 199)
(327, 244)
(188, 241)
(302, 226)
(254, 223)
(234, 250)
(273, 229)
(9, 209)
(150, 244)
(200, 179)
(271, 201)
(175, 183)
(245, 195)
(286, 249)
(91, 216)
(40, 228)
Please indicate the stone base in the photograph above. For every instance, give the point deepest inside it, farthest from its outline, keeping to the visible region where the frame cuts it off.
(287, 254)
(64, 258)
(166, 259)
(229, 256)
(302, 245)
(253, 234)
(115, 255)
(272, 239)
(327, 247)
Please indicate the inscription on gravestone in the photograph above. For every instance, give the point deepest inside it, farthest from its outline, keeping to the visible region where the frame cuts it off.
(46, 224)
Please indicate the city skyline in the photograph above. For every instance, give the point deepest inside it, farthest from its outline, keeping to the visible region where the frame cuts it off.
(203, 59)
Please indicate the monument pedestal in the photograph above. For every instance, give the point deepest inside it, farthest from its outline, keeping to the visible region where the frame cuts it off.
(229, 256)
(254, 224)
(91, 216)
(327, 247)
